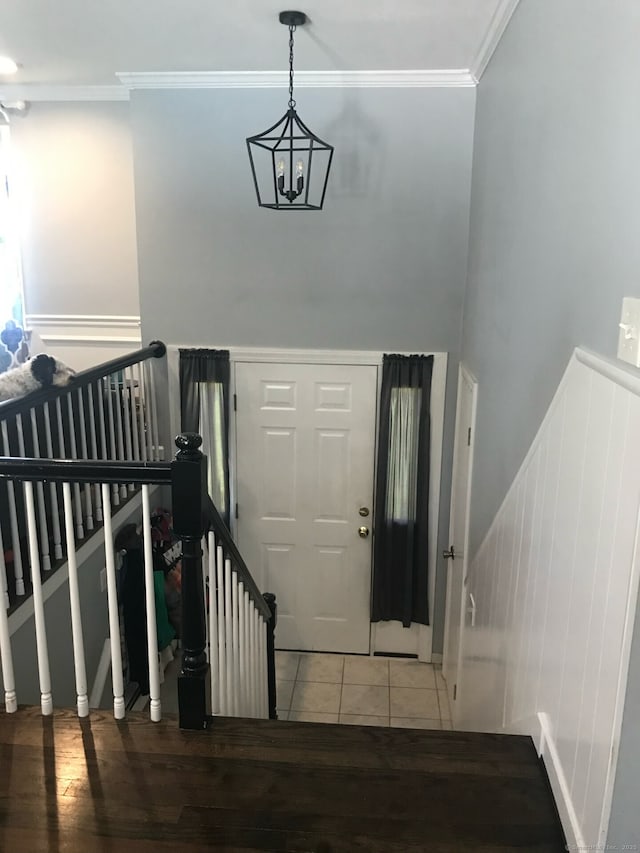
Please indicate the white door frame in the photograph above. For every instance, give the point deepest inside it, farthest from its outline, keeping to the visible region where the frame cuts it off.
(463, 548)
(422, 644)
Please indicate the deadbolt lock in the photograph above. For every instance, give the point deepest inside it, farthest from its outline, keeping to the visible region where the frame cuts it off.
(363, 511)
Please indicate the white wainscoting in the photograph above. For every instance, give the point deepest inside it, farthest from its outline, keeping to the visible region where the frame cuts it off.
(555, 584)
(83, 340)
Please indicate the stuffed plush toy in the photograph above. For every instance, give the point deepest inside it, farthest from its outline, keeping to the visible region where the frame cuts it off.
(43, 371)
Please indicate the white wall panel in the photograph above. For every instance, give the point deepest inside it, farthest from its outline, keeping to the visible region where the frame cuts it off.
(83, 341)
(555, 586)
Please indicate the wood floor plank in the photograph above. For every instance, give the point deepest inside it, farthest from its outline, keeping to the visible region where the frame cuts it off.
(79, 786)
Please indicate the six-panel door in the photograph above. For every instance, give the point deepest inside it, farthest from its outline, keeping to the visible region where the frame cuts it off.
(305, 437)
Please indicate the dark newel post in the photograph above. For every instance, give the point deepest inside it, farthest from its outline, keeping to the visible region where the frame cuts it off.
(188, 488)
(270, 601)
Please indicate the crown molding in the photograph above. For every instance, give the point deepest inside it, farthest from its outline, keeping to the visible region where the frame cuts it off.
(36, 92)
(498, 25)
(304, 79)
(130, 81)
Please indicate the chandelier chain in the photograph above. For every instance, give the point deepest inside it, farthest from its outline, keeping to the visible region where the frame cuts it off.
(292, 103)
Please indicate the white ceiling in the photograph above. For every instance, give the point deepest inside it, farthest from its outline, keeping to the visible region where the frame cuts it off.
(80, 43)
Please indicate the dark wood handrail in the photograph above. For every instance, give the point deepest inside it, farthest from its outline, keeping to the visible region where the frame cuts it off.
(156, 349)
(84, 471)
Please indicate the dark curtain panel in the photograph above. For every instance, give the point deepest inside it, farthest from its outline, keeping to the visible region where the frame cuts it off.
(401, 543)
(204, 406)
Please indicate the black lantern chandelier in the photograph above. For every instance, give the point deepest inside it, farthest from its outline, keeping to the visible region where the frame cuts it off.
(289, 163)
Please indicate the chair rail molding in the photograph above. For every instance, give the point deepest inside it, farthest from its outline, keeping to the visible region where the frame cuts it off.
(96, 328)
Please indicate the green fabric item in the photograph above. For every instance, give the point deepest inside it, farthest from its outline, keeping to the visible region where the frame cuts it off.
(166, 633)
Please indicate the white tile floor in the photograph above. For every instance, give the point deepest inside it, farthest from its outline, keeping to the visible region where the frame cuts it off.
(326, 688)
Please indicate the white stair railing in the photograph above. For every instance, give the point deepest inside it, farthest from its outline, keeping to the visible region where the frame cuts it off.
(238, 631)
(96, 416)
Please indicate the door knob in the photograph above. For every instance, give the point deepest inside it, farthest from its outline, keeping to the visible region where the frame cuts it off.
(450, 554)
(363, 532)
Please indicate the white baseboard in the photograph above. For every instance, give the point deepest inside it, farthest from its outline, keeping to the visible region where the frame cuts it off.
(538, 727)
(547, 751)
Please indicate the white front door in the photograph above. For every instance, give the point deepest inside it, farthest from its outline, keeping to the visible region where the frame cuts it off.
(305, 436)
(458, 532)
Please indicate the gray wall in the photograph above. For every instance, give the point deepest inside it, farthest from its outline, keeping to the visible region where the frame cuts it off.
(76, 183)
(382, 267)
(553, 243)
(554, 218)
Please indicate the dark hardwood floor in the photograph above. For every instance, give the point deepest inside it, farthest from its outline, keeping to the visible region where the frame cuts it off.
(97, 786)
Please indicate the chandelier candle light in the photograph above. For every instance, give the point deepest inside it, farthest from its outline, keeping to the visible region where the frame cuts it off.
(282, 157)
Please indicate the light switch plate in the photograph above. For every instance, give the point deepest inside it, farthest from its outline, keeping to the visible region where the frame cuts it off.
(629, 337)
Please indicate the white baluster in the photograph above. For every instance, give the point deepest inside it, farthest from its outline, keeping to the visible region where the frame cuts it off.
(259, 664)
(6, 655)
(153, 415)
(247, 653)
(42, 512)
(253, 699)
(94, 449)
(112, 603)
(112, 452)
(44, 534)
(213, 624)
(73, 451)
(145, 455)
(228, 639)
(222, 617)
(135, 435)
(125, 396)
(205, 584)
(18, 572)
(236, 644)
(3, 578)
(74, 599)
(150, 595)
(53, 491)
(242, 655)
(117, 384)
(256, 666)
(264, 687)
(44, 674)
(85, 455)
